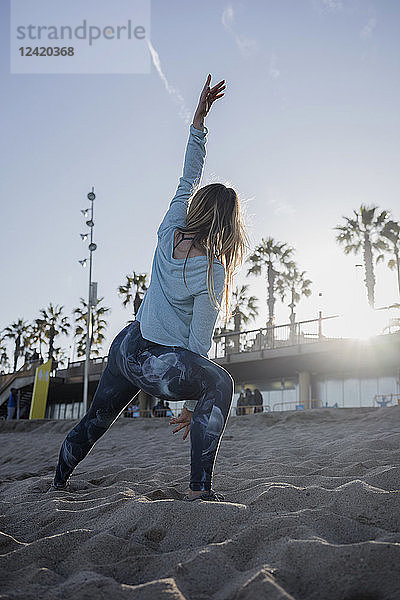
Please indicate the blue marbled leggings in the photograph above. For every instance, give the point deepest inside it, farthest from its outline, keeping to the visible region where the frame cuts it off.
(167, 372)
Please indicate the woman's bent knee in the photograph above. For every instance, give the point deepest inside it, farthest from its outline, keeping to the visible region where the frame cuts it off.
(228, 379)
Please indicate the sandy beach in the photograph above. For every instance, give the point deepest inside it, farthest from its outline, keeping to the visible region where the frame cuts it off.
(314, 511)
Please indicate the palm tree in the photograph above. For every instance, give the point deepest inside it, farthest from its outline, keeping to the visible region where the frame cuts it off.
(19, 332)
(363, 234)
(244, 310)
(4, 362)
(38, 334)
(98, 325)
(59, 356)
(274, 256)
(135, 286)
(293, 284)
(391, 232)
(53, 323)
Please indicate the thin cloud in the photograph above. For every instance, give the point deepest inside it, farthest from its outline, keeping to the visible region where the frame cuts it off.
(368, 28)
(184, 113)
(246, 45)
(328, 5)
(274, 73)
(345, 7)
(332, 5)
(228, 17)
(280, 207)
(273, 70)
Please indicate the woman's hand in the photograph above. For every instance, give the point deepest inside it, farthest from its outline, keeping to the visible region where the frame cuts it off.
(207, 97)
(183, 421)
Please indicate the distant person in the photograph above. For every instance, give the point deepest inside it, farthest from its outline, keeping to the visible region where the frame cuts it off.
(258, 401)
(129, 411)
(240, 404)
(168, 411)
(164, 351)
(159, 409)
(249, 401)
(12, 404)
(133, 411)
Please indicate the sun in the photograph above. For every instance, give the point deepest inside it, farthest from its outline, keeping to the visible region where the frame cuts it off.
(360, 322)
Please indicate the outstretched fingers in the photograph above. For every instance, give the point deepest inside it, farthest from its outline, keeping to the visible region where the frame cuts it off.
(218, 85)
(209, 95)
(217, 91)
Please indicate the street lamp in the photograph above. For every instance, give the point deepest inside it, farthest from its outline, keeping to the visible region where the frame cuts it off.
(92, 295)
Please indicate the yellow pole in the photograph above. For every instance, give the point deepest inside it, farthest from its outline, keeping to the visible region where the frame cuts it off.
(40, 391)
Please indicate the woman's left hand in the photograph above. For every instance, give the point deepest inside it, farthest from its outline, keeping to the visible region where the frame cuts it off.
(183, 421)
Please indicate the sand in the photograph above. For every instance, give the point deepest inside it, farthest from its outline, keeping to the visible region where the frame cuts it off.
(314, 512)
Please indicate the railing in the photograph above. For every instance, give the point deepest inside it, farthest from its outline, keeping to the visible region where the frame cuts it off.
(295, 405)
(135, 412)
(382, 400)
(269, 338)
(73, 410)
(64, 410)
(98, 360)
(23, 371)
(249, 409)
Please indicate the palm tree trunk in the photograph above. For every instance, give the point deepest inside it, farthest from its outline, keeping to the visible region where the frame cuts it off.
(16, 353)
(51, 341)
(271, 296)
(292, 318)
(237, 325)
(136, 303)
(369, 270)
(396, 253)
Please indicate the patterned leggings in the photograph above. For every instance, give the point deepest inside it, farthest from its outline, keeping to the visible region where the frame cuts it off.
(166, 372)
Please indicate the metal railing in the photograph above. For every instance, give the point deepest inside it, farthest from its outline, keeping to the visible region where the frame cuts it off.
(98, 360)
(135, 412)
(64, 410)
(269, 338)
(382, 400)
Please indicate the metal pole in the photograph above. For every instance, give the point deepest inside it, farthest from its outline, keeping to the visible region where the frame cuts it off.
(89, 315)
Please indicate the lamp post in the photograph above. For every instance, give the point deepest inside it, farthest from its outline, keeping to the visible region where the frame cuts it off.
(92, 294)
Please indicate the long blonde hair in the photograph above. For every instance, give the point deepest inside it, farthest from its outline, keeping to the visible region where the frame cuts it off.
(215, 219)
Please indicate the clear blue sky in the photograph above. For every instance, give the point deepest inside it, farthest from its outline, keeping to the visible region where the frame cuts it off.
(308, 130)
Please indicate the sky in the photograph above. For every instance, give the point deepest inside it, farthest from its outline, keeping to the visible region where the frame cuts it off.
(308, 130)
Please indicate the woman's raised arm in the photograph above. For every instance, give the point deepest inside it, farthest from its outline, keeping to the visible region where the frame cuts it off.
(194, 159)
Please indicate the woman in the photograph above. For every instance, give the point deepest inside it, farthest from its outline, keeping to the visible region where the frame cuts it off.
(164, 351)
